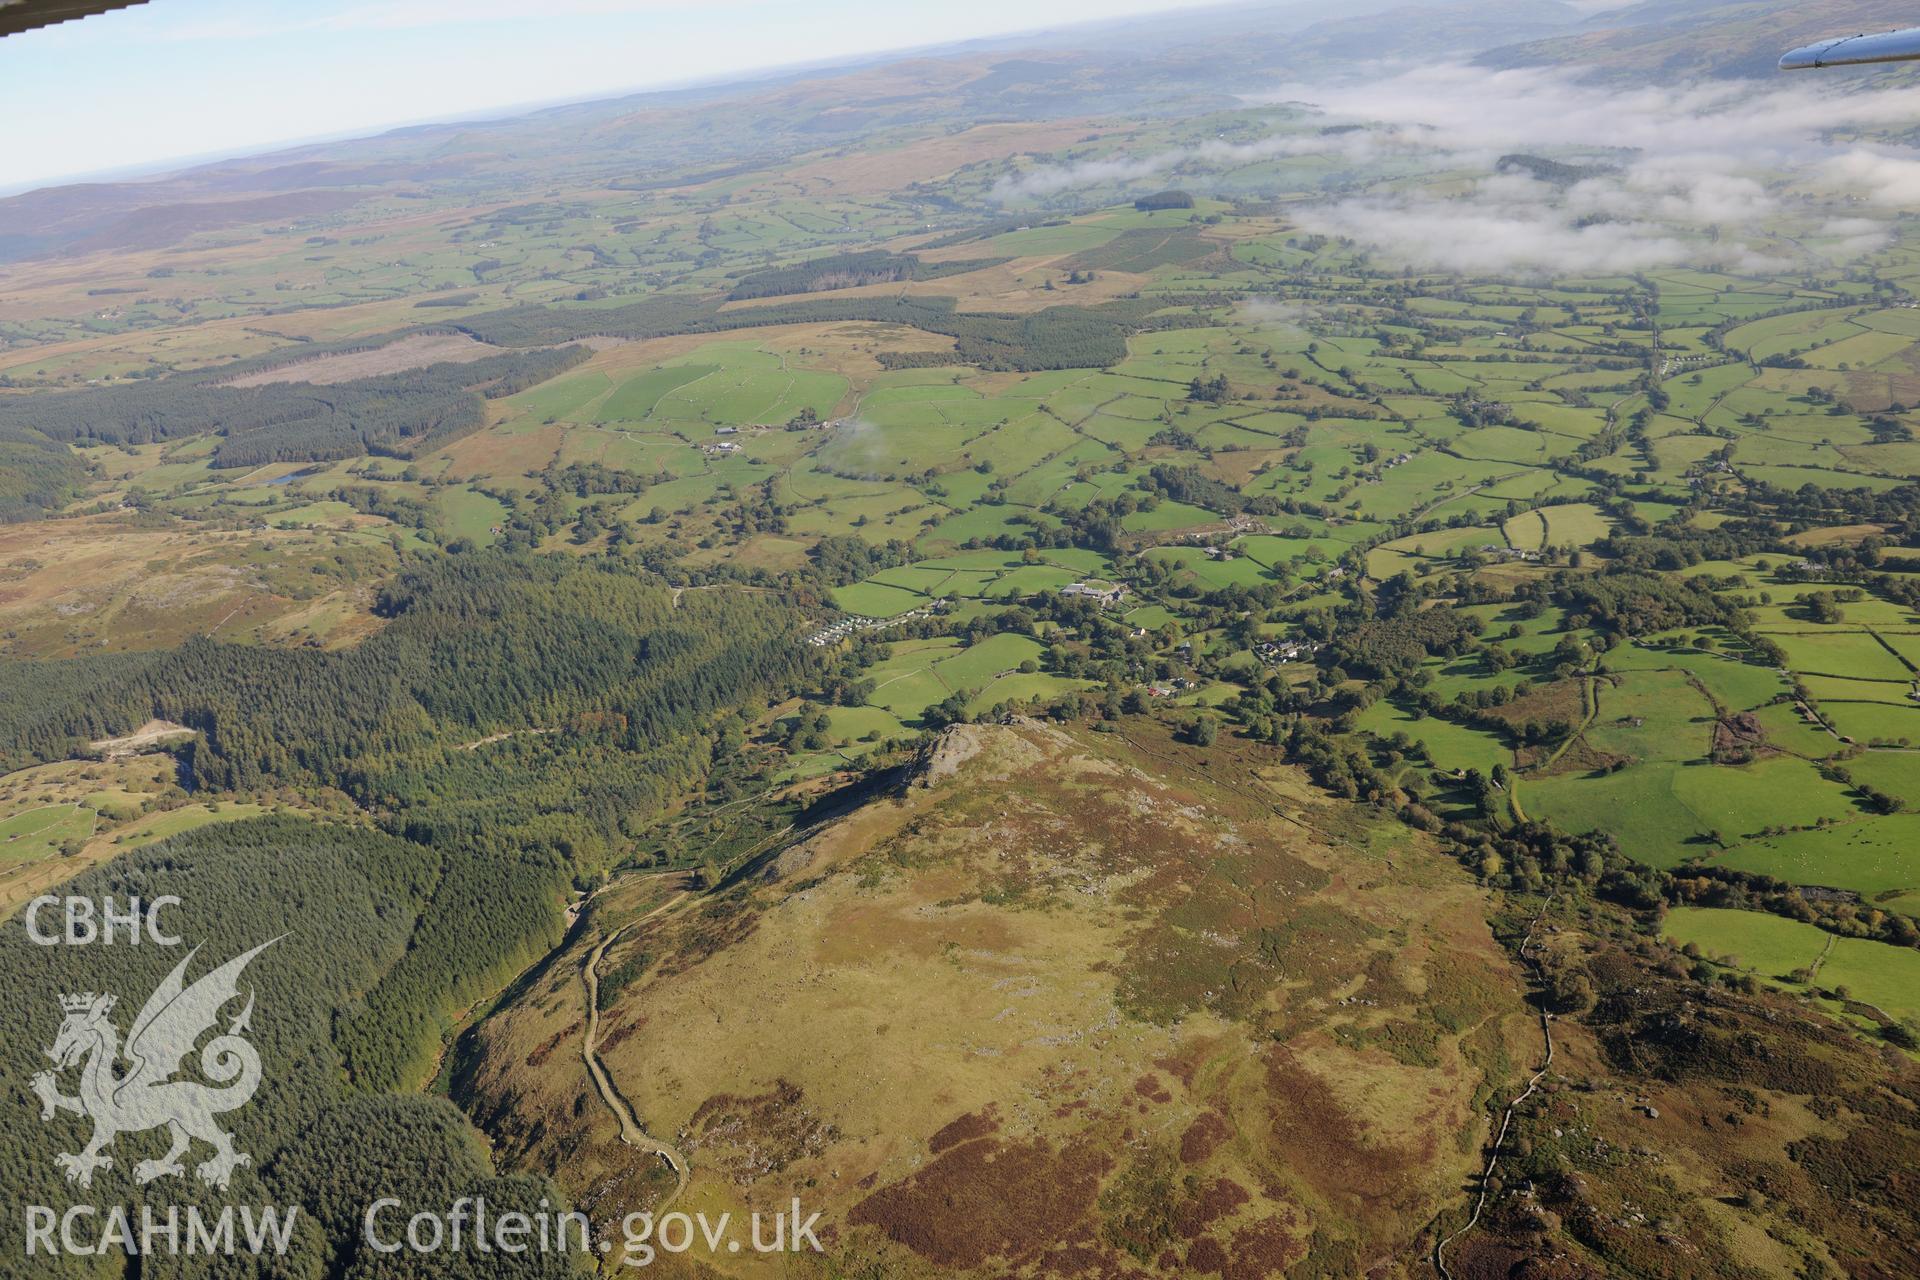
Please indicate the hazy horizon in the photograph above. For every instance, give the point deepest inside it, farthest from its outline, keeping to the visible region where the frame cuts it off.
(1241, 640)
(124, 115)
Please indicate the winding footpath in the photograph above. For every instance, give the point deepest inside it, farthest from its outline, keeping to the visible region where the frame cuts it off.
(1506, 1121)
(632, 1132)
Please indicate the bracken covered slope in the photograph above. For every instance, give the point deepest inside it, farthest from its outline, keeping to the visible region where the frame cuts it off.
(1067, 1004)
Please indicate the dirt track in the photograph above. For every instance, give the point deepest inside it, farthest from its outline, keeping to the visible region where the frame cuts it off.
(151, 734)
(1506, 1120)
(632, 1132)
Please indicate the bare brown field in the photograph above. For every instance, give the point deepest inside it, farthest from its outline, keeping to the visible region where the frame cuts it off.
(846, 348)
(1242, 465)
(1019, 285)
(196, 343)
(500, 453)
(1835, 535)
(187, 347)
(416, 352)
(881, 170)
(67, 288)
(1875, 392)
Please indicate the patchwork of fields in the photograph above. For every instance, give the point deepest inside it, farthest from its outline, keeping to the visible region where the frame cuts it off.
(1153, 700)
(1500, 431)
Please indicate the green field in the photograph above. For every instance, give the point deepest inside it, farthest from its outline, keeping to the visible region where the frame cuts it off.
(1455, 746)
(979, 663)
(39, 833)
(1773, 948)
(173, 822)
(635, 399)
(1865, 855)
(471, 515)
(1039, 721)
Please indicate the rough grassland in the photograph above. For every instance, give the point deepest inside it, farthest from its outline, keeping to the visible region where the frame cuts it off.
(1067, 1001)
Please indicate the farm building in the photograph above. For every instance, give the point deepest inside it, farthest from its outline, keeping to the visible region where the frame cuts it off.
(1103, 593)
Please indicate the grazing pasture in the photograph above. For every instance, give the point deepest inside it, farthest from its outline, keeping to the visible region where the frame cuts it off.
(1773, 949)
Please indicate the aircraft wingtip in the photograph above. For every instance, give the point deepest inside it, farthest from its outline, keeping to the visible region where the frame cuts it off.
(1806, 57)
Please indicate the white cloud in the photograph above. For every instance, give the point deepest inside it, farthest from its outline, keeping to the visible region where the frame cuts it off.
(1874, 175)
(1494, 235)
(1356, 146)
(1290, 318)
(1050, 180)
(1695, 171)
(1690, 196)
(1680, 174)
(1645, 215)
(1853, 237)
(1471, 109)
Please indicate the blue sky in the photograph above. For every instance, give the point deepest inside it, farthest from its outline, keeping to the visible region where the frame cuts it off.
(180, 79)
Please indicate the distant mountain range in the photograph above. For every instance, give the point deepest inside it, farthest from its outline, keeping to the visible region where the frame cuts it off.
(1665, 40)
(1171, 63)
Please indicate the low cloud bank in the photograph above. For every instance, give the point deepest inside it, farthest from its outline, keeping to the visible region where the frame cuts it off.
(1471, 110)
(1358, 146)
(1682, 174)
(1502, 231)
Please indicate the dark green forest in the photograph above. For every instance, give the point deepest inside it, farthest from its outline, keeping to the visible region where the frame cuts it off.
(849, 271)
(36, 473)
(396, 414)
(343, 901)
(1065, 337)
(520, 720)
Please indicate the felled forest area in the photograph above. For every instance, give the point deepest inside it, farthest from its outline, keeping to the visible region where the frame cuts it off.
(396, 415)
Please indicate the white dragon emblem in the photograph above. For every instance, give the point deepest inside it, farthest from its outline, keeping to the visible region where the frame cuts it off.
(146, 1097)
